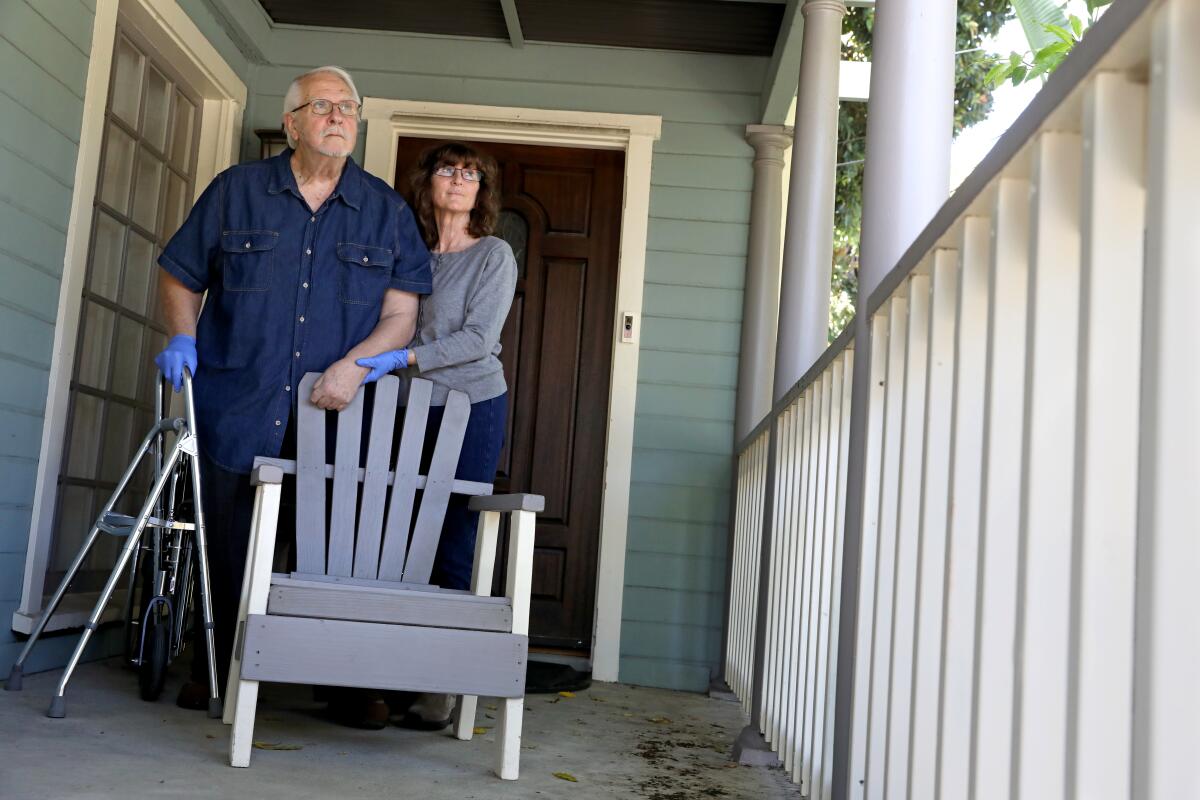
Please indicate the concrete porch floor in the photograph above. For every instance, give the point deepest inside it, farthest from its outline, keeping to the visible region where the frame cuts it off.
(616, 740)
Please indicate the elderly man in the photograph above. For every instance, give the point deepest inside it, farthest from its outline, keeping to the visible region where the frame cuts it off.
(308, 263)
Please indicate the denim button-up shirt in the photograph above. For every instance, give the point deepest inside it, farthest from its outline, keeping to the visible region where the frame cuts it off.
(290, 291)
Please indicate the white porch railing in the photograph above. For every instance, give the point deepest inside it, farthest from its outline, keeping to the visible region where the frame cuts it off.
(1027, 580)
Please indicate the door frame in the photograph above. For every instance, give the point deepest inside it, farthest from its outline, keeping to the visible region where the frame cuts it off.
(634, 134)
(175, 38)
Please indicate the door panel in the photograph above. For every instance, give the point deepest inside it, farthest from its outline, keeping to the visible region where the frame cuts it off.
(562, 217)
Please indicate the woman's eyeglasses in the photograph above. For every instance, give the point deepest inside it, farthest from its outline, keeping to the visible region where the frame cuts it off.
(467, 173)
(322, 107)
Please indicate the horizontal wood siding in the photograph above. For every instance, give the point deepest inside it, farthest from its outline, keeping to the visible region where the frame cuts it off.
(44, 49)
(699, 208)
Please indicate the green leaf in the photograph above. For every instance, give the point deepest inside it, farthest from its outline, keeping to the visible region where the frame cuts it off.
(1034, 16)
(1092, 5)
(1018, 75)
(1077, 26)
(1061, 33)
(997, 75)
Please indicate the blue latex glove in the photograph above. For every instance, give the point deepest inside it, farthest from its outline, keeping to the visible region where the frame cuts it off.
(180, 353)
(384, 363)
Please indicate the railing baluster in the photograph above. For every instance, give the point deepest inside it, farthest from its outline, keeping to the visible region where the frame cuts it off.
(1106, 454)
(885, 573)
(965, 495)
(1166, 726)
(935, 477)
(908, 535)
(810, 606)
(1044, 593)
(869, 558)
(992, 742)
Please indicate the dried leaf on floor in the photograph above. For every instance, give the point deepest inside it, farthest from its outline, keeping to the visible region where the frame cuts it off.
(596, 699)
(277, 746)
(566, 694)
(490, 708)
(479, 730)
(566, 776)
(660, 720)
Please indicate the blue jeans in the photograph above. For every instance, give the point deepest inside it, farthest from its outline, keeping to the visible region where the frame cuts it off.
(477, 462)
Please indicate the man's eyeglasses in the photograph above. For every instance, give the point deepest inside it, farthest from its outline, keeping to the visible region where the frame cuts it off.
(468, 174)
(322, 108)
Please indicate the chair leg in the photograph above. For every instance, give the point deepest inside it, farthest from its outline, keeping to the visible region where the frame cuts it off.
(509, 766)
(464, 716)
(242, 738)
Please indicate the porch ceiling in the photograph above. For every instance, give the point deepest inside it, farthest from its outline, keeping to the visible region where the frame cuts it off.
(705, 26)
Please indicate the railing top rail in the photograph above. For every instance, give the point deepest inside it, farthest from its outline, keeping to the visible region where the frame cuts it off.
(1087, 55)
(844, 341)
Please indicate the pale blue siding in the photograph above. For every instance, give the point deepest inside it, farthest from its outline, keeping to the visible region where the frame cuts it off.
(44, 50)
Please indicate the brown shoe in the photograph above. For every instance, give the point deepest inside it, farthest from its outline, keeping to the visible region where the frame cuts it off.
(193, 696)
(359, 708)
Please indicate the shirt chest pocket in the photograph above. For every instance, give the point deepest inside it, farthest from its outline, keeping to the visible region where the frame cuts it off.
(364, 273)
(248, 260)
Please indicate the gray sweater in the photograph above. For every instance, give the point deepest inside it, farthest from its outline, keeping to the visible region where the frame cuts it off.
(458, 329)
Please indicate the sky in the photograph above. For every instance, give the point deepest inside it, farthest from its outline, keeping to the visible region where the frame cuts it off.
(974, 143)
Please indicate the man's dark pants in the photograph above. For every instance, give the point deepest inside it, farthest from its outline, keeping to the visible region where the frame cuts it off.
(228, 506)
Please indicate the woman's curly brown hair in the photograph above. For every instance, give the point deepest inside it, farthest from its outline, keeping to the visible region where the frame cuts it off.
(487, 203)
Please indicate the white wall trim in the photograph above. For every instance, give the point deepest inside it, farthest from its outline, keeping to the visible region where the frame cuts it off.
(387, 120)
(177, 40)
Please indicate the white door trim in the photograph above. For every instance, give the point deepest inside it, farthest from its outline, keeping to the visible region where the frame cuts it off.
(387, 120)
(176, 39)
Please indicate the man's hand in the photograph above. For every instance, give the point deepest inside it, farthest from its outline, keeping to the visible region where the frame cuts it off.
(337, 385)
(180, 353)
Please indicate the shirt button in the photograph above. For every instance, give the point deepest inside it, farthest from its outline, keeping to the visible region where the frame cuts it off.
(246, 245)
(302, 319)
(297, 354)
(312, 219)
(306, 284)
(308, 252)
(287, 388)
(365, 259)
(277, 423)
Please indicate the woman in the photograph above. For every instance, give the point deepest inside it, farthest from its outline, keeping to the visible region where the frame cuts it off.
(456, 197)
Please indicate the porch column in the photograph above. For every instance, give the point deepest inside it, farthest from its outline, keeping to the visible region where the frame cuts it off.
(808, 243)
(907, 179)
(760, 301)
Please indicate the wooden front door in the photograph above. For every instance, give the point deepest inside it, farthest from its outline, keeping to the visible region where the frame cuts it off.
(561, 214)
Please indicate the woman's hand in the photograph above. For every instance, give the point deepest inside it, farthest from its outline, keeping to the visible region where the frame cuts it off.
(383, 363)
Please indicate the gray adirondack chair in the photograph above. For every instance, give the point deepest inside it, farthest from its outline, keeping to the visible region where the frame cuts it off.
(359, 610)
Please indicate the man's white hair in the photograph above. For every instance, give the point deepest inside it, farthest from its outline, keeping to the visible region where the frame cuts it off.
(296, 89)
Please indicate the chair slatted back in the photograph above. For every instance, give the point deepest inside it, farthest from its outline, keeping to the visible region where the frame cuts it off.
(368, 533)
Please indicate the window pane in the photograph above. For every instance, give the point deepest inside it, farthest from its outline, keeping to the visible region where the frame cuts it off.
(139, 273)
(175, 206)
(106, 256)
(117, 452)
(181, 134)
(118, 169)
(513, 229)
(127, 82)
(95, 346)
(145, 194)
(158, 108)
(85, 436)
(127, 357)
(74, 521)
(154, 343)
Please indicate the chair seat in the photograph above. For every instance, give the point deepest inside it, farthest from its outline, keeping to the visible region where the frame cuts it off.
(381, 656)
(428, 606)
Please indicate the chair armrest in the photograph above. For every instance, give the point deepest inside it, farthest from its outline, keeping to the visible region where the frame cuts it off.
(508, 502)
(266, 473)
